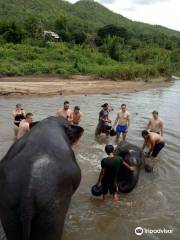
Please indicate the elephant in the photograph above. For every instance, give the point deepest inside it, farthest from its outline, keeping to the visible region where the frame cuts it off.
(38, 177)
(133, 155)
(2, 233)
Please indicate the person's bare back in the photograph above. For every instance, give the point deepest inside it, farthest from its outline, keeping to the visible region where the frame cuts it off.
(23, 128)
(155, 138)
(24, 125)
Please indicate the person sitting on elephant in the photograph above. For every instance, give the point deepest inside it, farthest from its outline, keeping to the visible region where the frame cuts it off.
(153, 140)
(109, 172)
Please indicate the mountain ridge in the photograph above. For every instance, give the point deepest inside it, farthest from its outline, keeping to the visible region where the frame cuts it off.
(96, 16)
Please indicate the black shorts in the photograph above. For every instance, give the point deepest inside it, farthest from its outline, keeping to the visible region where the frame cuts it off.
(157, 149)
(106, 189)
(156, 132)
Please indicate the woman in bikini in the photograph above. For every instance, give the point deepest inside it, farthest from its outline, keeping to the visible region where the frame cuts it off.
(19, 114)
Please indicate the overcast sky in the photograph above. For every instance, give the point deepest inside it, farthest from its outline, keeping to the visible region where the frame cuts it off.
(161, 12)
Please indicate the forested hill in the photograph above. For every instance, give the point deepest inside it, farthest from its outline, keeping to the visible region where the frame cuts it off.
(84, 26)
(87, 12)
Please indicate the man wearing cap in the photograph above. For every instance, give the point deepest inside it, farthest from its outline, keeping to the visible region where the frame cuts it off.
(104, 120)
(76, 116)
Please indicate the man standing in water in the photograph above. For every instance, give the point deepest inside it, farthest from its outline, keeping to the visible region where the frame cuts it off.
(155, 124)
(104, 120)
(109, 172)
(122, 122)
(65, 112)
(76, 116)
(24, 125)
(154, 141)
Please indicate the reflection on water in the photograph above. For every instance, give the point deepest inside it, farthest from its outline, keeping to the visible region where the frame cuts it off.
(154, 203)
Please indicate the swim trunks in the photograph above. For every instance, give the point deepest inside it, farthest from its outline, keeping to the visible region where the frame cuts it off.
(110, 189)
(157, 149)
(155, 132)
(121, 128)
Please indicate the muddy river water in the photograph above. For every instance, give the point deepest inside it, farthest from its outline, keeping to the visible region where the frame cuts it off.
(154, 203)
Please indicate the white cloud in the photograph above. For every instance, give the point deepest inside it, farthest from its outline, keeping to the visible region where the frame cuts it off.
(160, 12)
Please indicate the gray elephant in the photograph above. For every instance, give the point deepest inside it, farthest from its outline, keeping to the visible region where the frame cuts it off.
(38, 177)
(133, 155)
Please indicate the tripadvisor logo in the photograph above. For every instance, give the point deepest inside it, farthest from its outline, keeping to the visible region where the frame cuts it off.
(139, 231)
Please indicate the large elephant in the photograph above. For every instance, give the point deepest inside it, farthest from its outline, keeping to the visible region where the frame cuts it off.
(133, 156)
(38, 177)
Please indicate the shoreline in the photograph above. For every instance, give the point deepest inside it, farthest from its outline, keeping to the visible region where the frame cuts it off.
(45, 85)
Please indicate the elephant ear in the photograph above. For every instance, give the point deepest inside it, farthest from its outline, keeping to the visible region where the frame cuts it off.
(74, 133)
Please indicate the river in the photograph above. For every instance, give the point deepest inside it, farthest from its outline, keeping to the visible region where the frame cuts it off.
(154, 203)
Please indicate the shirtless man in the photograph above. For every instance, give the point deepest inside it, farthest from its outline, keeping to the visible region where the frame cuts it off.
(122, 122)
(76, 116)
(155, 124)
(65, 112)
(24, 125)
(154, 141)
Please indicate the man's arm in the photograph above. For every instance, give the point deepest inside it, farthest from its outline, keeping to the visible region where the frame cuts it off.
(26, 128)
(162, 128)
(81, 117)
(14, 113)
(101, 116)
(58, 113)
(128, 120)
(152, 143)
(149, 124)
(101, 175)
(144, 145)
(131, 168)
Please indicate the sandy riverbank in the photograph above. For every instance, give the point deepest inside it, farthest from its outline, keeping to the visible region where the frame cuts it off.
(75, 85)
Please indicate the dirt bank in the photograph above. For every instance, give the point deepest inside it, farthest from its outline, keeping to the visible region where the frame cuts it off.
(75, 85)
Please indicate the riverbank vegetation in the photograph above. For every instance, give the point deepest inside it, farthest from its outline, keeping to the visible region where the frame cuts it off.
(112, 46)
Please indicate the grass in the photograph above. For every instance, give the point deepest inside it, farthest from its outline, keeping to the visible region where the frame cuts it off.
(70, 59)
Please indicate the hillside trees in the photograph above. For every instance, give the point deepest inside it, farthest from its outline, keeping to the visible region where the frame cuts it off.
(12, 32)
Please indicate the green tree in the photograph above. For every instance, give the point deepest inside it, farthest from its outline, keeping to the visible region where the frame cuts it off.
(13, 33)
(33, 27)
(79, 37)
(112, 30)
(113, 46)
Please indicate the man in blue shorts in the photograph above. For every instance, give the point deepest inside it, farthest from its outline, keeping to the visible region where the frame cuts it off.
(122, 122)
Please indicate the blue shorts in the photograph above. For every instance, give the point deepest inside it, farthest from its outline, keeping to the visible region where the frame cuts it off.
(121, 128)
